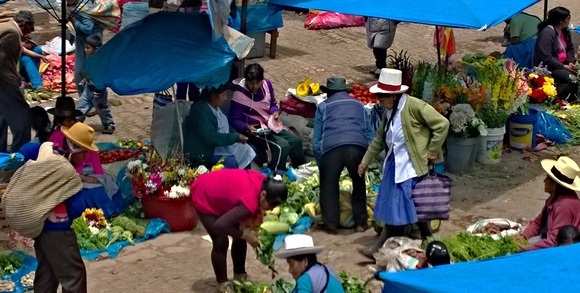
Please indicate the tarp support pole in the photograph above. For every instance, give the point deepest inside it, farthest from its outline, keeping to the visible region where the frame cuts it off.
(438, 45)
(63, 21)
(243, 29)
(545, 9)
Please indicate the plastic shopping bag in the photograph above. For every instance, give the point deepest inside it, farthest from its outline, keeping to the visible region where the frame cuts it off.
(552, 129)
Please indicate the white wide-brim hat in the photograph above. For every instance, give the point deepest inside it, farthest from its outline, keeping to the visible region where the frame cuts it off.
(298, 244)
(390, 82)
(564, 171)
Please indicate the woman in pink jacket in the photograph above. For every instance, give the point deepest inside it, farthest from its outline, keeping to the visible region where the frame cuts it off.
(226, 201)
(562, 206)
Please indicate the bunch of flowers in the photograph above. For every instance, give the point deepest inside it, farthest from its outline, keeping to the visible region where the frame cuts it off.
(464, 123)
(541, 88)
(158, 177)
(95, 220)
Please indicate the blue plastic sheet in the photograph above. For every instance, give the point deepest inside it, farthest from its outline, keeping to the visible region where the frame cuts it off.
(155, 227)
(473, 14)
(5, 158)
(303, 224)
(262, 18)
(552, 129)
(154, 53)
(29, 264)
(545, 270)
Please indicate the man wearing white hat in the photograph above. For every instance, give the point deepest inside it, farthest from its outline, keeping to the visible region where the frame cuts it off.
(412, 133)
(310, 275)
(562, 207)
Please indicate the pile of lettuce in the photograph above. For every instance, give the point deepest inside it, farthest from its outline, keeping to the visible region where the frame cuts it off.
(120, 228)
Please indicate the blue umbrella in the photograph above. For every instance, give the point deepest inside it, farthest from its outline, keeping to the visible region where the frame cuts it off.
(472, 14)
(156, 52)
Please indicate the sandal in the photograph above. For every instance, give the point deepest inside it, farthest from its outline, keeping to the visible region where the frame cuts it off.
(225, 287)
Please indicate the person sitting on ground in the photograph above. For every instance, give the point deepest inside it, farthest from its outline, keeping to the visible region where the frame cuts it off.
(555, 50)
(65, 114)
(40, 124)
(100, 190)
(223, 207)
(310, 275)
(208, 136)
(567, 235)
(562, 206)
(342, 134)
(92, 96)
(31, 55)
(436, 254)
(523, 29)
(254, 107)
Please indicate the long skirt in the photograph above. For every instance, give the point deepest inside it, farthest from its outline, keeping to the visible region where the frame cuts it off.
(394, 205)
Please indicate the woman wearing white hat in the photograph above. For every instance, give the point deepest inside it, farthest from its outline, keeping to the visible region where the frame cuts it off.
(562, 206)
(310, 275)
(412, 133)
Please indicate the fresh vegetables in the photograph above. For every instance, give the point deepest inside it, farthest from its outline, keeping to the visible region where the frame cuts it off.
(94, 233)
(132, 144)
(9, 263)
(275, 227)
(467, 247)
(352, 284)
(27, 280)
(112, 156)
(51, 77)
(265, 251)
(362, 93)
(280, 286)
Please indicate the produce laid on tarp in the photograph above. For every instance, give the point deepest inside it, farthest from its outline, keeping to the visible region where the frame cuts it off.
(17, 270)
(51, 77)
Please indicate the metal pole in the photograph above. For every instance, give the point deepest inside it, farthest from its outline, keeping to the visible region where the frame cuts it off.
(545, 9)
(63, 20)
(243, 29)
(438, 45)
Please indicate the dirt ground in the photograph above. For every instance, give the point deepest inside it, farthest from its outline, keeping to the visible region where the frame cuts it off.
(179, 262)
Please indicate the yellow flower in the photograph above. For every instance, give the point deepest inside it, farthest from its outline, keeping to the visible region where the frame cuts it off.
(529, 92)
(550, 90)
(548, 80)
(217, 167)
(532, 75)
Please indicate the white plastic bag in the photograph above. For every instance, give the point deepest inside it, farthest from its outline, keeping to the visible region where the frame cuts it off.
(515, 228)
(54, 46)
(392, 255)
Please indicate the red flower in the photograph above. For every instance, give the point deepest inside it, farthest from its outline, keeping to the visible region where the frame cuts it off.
(538, 81)
(538, 96)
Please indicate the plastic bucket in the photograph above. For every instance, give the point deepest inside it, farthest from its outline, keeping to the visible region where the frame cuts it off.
(490, 146)
(179, 213)
(461, 153)
(522, 130)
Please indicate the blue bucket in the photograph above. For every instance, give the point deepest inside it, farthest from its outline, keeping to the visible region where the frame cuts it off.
(523, 130)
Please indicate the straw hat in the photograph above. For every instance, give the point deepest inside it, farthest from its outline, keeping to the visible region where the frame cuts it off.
(390, 82)
(65, 107)
(564, 171)
(81, 135)
(298, 244)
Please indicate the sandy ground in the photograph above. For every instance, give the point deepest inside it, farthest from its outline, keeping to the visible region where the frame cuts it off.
(179, 262)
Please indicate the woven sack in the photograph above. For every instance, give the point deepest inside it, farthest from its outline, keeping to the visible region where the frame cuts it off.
(36, 189)
(431, 196)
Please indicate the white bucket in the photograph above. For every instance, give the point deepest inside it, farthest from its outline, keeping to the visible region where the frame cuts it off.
(490, 146)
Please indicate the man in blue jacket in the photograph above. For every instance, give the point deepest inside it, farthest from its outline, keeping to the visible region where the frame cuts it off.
(342, 133)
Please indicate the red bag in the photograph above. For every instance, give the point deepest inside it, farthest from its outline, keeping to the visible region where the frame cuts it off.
(294, 106)
(329, 20)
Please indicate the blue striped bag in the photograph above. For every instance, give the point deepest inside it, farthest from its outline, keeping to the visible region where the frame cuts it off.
(431, 196)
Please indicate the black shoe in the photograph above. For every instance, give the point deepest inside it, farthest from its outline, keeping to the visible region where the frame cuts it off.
(362, 228)
(109, 130)
(366, 252)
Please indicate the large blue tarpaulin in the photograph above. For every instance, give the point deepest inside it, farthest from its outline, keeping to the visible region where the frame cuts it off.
(156, 52)
(546, 270)
(472, 14)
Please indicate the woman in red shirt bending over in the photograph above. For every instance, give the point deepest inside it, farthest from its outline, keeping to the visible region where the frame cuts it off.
(224, 199)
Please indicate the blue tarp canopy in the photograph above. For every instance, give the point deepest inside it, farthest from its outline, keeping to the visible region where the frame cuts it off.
(156, 52)
(472, 14)
(546, 270)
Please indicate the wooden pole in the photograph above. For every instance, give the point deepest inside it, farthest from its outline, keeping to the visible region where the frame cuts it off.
(243, 30)
(438, 45)
(63, 20)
